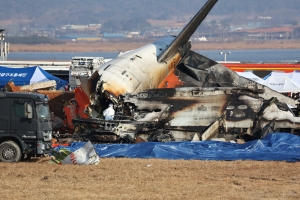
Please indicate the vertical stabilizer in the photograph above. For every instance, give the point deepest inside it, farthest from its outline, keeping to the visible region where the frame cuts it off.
(187, 32)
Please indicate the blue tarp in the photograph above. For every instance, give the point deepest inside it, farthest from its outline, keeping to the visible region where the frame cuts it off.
(27, 76)
(275, 147)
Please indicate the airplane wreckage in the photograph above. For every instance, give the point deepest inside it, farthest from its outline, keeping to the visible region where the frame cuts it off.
(164, 91)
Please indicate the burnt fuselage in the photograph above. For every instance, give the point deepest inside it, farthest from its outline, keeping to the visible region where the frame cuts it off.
(194, 113)
(193, 110)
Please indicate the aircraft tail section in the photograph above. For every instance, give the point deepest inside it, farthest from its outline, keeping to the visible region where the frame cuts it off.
(187, 32)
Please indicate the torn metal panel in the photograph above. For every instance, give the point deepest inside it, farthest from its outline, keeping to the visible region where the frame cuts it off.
(97, 130)
(83, 67)
(51, 85)
(212, 129)
(207, 73)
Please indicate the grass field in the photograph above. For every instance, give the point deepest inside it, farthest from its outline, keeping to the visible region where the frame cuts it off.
(123, 178)
(124, 46)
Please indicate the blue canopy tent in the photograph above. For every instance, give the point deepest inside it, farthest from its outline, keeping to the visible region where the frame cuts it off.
(27, 76)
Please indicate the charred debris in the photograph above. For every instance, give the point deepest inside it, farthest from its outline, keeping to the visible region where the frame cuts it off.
(164, 91)
(211, 102)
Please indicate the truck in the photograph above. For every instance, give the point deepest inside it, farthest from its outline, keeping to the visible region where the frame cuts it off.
(25, 126)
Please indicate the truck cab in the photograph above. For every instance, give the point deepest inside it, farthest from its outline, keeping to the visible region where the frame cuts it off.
(25, 126)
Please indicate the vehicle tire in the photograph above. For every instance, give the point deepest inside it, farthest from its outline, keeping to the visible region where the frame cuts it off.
(10, 152)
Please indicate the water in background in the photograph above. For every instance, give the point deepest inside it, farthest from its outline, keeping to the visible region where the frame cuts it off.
(267, 55)
(56, 56)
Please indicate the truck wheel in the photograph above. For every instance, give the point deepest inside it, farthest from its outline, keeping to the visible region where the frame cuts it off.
(10, 152)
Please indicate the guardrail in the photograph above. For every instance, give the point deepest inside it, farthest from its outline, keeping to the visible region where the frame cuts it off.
(45, 65)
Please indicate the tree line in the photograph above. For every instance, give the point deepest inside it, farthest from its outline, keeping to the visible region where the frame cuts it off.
(33, 39)
(56, 12)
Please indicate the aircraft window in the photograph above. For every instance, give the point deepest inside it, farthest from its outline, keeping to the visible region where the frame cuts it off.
(230, 108)
(183, 93)
(254, 106)
(163, 94)
(215, 108)
(150, 95)
(242, 107)
(156, 95)
(196, 93)
(143, 95)
(202, 108)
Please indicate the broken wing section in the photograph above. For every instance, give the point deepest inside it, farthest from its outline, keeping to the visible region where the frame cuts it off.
(200, 71)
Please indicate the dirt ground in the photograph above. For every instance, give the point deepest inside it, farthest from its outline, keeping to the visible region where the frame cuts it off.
(125, 46)
(123, 178)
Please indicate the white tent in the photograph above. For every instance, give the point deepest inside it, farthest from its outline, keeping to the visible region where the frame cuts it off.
(251, 76)
(282, 84)
(294, 76)
(278, 81)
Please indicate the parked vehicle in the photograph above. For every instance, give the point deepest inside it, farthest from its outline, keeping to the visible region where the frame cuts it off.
(25, 126)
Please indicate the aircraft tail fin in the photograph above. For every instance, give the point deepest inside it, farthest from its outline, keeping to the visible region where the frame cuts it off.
(187, 32)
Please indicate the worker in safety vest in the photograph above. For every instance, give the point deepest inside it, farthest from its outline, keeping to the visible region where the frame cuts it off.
(109, 112)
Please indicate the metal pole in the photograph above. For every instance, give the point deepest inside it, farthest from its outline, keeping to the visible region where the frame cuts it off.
(1, 51)
(5, 52)
(1, 40)
(225, 55)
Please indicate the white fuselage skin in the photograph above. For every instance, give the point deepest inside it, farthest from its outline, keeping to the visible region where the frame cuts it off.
(137, 70)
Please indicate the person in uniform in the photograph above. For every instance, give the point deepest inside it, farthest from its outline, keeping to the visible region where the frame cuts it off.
(109, 112)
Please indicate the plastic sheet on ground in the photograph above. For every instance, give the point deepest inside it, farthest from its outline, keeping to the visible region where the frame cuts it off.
(81, 154)
(275, 147)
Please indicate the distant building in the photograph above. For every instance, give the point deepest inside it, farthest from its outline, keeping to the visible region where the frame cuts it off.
(81, 27)
(262, 17)
(201, 39)
(79, 38)
(134, 34)
(270, 33)
(113, 35)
